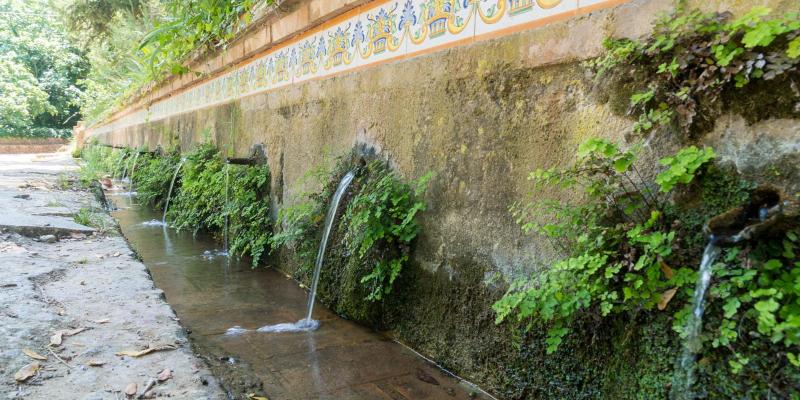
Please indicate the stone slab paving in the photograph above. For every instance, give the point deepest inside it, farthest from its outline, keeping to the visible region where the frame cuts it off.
(89, 279)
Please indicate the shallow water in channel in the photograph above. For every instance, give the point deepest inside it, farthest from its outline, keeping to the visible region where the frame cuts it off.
(211, 292)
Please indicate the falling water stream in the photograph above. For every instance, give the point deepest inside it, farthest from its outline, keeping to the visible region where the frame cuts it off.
(685, 373)
(169, 193)
(133, 169)
(226, 207)
(308, 324)
(116, 167)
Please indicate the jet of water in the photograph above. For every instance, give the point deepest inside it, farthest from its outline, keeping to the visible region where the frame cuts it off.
(343, 184)
(116, 167)
(226, 207)
(308, 324)
(169, 193)
(133, 169)
(684, 375)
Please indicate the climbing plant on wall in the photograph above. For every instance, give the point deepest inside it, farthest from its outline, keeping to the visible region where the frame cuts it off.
(632, 241)
(618, 241)
(381, 223)
(693, 59)
(152, 178)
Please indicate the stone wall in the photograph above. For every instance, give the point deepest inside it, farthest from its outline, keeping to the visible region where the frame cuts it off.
(481, 115)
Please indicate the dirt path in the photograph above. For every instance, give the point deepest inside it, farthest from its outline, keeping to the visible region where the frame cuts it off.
(85, 286)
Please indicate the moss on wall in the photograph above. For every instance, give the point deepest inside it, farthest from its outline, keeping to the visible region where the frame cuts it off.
(482, 117)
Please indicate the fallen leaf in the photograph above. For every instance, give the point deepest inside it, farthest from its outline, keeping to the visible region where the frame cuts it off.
(252, 396)
(27, 371)
(96, 363)
(426, 377)
(101, 321)
(139, 353)
(668, 272)
(666, 297)
(164, 375)
(58, 336)
(34, 355)
(130, 390)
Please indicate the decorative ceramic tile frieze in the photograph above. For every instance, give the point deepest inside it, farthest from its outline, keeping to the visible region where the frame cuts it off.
(375, 32)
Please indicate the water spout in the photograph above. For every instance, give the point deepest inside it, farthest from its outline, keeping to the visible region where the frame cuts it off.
(684, 375)
(343, 184)
(169, 193)
(116, 167)
(226, 208)
(308, 324)
(133, 169)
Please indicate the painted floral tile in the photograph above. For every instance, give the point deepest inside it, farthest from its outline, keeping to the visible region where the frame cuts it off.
(378, 34)
(327, 52)
(381, 30)
(493, 16)
(427, 24)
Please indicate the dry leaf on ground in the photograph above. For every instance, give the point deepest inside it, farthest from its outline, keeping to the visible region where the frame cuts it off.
(34, 355)
(96, 363)
(58, 336)
(139, 353)
(27, 371)
(666, 297)
(101, 321)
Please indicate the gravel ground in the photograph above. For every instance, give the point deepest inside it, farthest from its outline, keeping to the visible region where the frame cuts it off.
(89, 290)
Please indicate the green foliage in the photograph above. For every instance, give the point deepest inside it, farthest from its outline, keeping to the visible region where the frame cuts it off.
(683, 166)
(199, 198)
(131, 44)
(193, 24)
(22, 99)
(692, 57)
(198, 202)
(248, 211)
(378, 223)
(757, 295)
(97, 162)
(619, 264)
(617, 242)
(39, 72)
(299, 222)
(152, 178)
(96, 17)
(382, 216)
(90, 217)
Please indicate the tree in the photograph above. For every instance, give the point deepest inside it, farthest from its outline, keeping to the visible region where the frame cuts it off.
(22, 99)
(38, 57)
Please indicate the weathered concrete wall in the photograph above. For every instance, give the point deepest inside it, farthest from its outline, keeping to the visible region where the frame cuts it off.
(480, 116)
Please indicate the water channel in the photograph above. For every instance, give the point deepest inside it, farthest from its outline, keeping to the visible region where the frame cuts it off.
(210, 293)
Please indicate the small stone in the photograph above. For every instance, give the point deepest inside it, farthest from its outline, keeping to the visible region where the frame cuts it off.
(164, 375)
(48, 238)
(130, 390)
